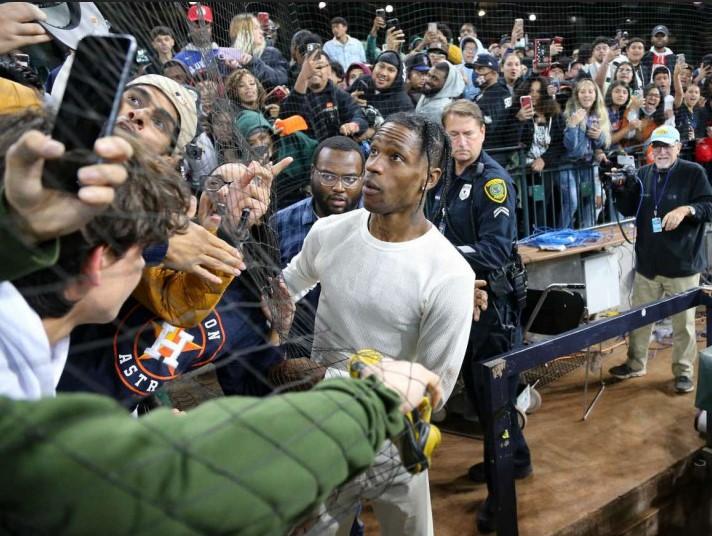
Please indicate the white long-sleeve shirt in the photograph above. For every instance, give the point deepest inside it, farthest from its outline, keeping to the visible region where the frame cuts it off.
(409, 300)
(29, 366)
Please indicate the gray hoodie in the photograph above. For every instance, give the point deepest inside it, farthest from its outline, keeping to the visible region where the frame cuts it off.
(432, 107)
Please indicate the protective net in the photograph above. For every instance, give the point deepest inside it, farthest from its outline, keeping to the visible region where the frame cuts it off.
(192, 331)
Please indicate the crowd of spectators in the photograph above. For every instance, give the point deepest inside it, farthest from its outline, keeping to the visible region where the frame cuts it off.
(191, 238)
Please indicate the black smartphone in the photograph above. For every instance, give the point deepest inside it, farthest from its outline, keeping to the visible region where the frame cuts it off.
(98, 76)
(393, 23)
(381, 13)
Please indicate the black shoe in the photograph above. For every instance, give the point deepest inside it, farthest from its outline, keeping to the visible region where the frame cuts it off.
(623, 372)
(486, 524)
(476, 473)
(683, 384)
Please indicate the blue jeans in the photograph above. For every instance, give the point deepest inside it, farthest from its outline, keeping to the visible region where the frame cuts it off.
(575, 183)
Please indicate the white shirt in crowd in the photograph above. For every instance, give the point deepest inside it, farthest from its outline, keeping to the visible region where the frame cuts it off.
(29, 367)
(345, 53)
(409, 300)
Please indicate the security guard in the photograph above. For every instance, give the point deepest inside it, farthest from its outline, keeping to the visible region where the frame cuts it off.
(476, 212)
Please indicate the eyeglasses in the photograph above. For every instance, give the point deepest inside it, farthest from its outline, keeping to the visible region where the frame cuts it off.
(329, 179)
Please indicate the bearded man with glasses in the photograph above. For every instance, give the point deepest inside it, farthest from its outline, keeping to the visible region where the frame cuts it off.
(336, 184)
(672, 200)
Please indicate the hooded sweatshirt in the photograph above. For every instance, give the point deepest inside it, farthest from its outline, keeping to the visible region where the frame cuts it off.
(289, 185)
(392, 99)
(432, 106)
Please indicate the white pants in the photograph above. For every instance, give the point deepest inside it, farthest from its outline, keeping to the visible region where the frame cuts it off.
(401, 501)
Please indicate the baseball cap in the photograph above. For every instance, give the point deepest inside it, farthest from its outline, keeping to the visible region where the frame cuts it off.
(419, 62)
(665, 134)
(69, 22)
(196, 10)
(660, 28)
(438, 48)
(487, 60)
(181, 98)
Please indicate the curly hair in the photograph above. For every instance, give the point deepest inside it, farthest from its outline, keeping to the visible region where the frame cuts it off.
(147, 209)
(232, 83)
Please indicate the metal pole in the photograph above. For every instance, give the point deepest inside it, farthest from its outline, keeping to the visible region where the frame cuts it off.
(498, 445)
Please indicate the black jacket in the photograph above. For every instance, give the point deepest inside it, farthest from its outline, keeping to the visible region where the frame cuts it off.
(325, 112)
(270, 68)
(677, 253)
(495, 102)
(389, 101)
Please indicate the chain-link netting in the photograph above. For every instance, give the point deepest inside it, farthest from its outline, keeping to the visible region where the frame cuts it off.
(213, 109)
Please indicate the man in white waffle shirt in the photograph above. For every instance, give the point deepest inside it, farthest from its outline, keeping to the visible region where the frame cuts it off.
(389, 281)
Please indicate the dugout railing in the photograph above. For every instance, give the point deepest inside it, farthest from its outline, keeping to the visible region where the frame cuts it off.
(495, 372)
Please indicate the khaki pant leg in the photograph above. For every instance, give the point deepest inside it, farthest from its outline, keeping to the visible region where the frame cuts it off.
(684, 340)
(644, 291)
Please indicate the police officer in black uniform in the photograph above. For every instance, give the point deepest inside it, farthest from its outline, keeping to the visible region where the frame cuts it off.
(476, 212)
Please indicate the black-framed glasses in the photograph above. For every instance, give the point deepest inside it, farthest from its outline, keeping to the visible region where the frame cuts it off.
(330, 179)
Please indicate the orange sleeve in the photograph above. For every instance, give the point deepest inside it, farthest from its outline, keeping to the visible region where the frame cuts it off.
(180, 298)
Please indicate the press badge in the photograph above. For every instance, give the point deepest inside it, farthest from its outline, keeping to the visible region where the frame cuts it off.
(657, 225)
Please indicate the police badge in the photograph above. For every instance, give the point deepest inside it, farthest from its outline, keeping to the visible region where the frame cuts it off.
(465, 192)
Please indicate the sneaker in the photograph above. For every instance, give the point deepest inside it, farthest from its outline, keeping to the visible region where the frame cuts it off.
(623, 372)
(476, 473)
(683, 384)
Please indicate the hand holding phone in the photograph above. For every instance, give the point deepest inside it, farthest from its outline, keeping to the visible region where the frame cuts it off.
(90, 105)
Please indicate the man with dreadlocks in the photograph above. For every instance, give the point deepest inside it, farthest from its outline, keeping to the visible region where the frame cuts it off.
(389, 281)
(477, 214)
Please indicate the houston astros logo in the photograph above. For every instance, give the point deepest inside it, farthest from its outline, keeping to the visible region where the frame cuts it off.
(155, 351)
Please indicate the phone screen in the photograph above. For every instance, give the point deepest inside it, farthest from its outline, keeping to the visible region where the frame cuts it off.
(91, 100)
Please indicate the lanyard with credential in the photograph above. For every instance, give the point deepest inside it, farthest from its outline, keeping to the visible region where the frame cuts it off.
(657, 199)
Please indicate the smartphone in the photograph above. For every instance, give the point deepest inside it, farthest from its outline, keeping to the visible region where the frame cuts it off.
(541, 52)
(432, 27)
(263, 17)
(559, 40)
(381, 13)
(311, 47)
(525, 101)
(229, 53)
(99, 73)
(519, 22)
(21, 59)
(277, 95)
(681, 59)
(393, 23)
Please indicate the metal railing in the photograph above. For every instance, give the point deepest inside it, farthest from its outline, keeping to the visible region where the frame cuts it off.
(561, 197)
(497, 397)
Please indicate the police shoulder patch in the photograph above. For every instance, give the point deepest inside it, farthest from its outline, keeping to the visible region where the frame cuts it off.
(496, 190)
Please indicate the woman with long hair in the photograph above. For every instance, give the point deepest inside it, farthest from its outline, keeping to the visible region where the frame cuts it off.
(266, 63)
(618, 101)
(587, 134)
(245, 90)
(511, 71)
